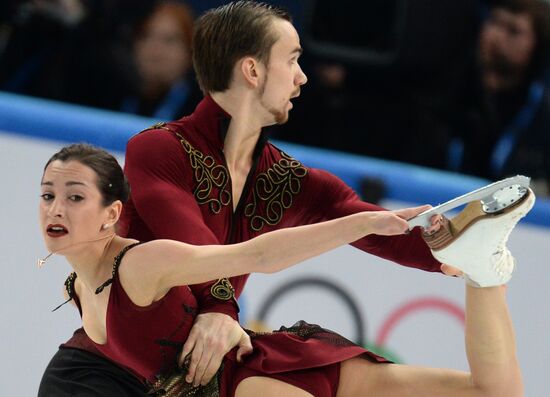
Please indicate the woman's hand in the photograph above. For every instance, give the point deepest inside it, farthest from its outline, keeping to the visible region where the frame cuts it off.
(391, 223)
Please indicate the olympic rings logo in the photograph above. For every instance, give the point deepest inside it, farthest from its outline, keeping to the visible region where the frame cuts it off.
(389, 324)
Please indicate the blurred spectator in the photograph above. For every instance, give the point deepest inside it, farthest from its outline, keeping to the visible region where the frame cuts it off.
(383, 76)
(165, 87)
(433, 83)
(70, 50)
(508, 128)
(37, 43)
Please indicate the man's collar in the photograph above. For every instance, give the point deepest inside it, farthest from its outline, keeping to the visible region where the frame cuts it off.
(212, 120)
(214, 124)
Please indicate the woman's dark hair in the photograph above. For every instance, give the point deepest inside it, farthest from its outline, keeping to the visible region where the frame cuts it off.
(111, 181)
(225, 34)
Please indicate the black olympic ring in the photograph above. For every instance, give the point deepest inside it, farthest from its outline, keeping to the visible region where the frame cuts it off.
(324, 284)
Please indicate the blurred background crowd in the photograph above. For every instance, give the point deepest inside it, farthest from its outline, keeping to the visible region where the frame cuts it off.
(459, 85)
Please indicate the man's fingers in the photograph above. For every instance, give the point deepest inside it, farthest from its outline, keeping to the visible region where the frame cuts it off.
(435, 224)
(181, 359)
(189, 345)
(196, 356)
(245, 348)
(201, 367)
(450, 270)
(210, 370)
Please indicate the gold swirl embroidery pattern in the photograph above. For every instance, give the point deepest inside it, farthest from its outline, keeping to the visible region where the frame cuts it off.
(277, 188)
(208, 176)
(222, 290)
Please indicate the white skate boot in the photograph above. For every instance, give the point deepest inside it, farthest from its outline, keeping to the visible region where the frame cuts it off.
(475, 240)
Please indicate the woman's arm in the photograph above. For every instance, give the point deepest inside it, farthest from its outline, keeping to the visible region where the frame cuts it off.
(175, 263)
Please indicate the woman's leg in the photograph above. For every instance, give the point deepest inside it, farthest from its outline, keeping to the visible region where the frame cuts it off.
(490, 347)
(476, 244)
(267, 387)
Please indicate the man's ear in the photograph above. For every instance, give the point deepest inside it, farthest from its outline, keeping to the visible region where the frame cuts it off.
(250, 70)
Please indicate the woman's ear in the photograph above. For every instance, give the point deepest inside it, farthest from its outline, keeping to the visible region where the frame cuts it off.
(113, 213)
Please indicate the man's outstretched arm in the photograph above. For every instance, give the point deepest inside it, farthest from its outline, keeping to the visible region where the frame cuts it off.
(334, 199)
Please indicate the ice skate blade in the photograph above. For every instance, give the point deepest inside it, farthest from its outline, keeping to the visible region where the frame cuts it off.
(493, 198)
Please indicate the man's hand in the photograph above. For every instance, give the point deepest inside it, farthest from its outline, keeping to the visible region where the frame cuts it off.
(450, 270)
(212, 336)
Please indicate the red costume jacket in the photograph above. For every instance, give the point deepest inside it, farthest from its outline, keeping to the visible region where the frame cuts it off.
(181, 190)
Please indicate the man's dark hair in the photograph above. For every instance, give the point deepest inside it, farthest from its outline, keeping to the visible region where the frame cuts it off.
(228, 33)
(111, 181)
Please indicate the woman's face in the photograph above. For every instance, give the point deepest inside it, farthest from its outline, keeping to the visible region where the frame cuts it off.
(71, 206)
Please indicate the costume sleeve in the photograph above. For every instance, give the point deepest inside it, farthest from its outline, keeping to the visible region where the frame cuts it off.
(154, 167)
(339, 200)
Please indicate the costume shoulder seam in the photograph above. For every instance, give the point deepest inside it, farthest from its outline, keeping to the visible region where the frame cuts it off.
(162, 126)
(285, 154)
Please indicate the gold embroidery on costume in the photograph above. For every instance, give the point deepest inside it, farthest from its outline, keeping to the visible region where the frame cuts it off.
(277, 188)
(223, 290)
(208, 176)
(160, 124)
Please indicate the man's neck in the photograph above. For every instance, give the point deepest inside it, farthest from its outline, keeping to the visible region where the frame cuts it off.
(244, 129)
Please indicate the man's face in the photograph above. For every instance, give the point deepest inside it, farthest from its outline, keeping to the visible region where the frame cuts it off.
(283, 76)
(507, 45)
